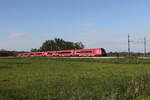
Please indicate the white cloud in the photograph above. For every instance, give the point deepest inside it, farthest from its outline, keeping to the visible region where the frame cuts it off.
(16, 41)
(85, 25)
(17, 35)
(80, 25)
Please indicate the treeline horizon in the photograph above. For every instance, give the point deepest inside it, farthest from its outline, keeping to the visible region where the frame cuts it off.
(58, 44)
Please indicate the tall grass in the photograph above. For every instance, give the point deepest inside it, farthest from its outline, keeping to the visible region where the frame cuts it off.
(73, 79)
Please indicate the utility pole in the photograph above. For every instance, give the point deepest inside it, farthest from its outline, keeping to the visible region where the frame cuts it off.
(129, 44)
(145, 46)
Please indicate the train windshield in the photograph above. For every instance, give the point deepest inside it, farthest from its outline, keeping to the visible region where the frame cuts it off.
(103, 52)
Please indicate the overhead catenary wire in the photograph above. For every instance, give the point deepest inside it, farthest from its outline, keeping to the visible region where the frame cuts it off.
(139, 41)
(145, 46)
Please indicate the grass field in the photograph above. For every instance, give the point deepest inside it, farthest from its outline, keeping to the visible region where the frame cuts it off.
(74, 79)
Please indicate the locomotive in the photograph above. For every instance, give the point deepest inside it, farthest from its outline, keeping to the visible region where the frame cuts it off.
(82, 52)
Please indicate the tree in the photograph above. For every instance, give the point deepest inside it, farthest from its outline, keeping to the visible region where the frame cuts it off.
(34, 50)
(60, 44)
(79, 45)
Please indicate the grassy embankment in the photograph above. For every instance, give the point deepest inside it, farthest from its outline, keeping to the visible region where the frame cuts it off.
(74, 79)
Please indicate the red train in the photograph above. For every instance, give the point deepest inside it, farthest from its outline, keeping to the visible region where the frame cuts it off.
(83, 52)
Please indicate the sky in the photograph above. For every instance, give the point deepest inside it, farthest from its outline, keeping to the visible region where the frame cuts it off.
(26, 24)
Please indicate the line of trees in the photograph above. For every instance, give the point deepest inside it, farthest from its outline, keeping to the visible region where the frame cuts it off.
(5, 53)
(126, 54)
(58, 44)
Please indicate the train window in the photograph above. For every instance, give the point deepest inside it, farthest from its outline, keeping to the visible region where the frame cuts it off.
(84, 52)
(64, 52)
(49, 53)
(32, 54)
(39, 53)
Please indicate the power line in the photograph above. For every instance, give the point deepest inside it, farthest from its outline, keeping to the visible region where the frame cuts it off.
(129, 45)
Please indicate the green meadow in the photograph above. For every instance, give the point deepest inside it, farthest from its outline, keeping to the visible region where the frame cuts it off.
(74, 79)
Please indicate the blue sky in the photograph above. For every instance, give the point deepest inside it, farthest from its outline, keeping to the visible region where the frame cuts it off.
(25, 24)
